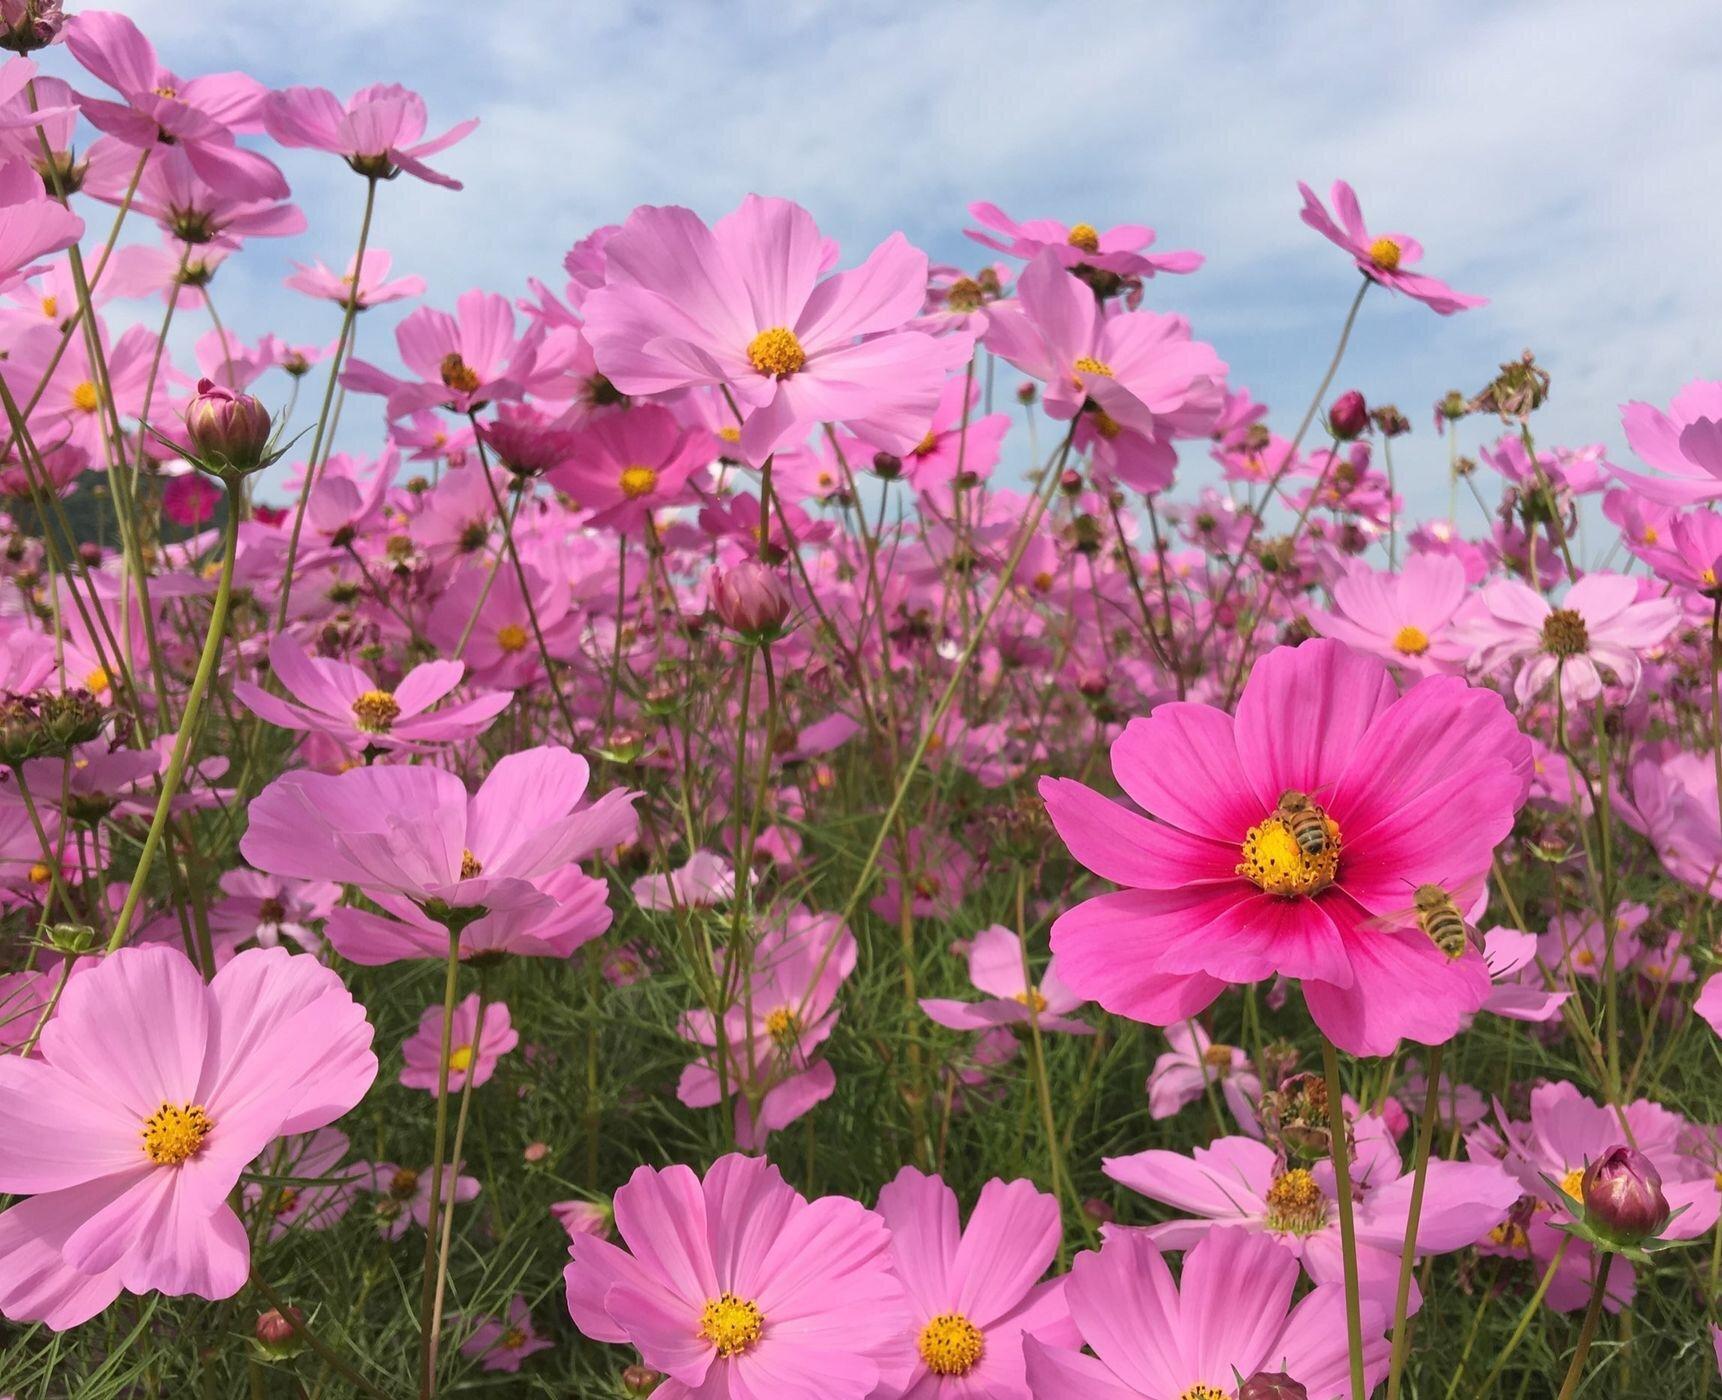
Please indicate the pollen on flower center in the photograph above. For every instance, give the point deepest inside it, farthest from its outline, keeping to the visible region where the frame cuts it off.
(951, 1345)
(965, 294)
(1385, 254)
(638, 481)
(1085, 237)
(97, 681)
(776, 352)
(1510, 1233)
(457, 374)
(471, 867)
(1105, 424)
(1218, 1057)
(1411, 641)
(1572, 1184)
(1031, 999)
(731, 1324)
(1295, 1203)
(1087, 364)
(1203, 1391)
(50, 307)
(511, 636)
(926, 445)
(460, 1059)
(783, 1025)
(175, 1132)
(1276, 863)
(1565, 634)
(85, 397)
(376, 711)
(729, 433)
(512, 1340)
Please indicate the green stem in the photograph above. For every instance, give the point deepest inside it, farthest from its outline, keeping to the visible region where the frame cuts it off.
(310, 1338)
(1340, 1150)
(1587, 1332)
(1407, 1254)
(427, 1294)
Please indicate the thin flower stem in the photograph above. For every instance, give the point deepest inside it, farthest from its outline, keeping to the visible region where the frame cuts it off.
(448, 1208)
(312, 1340)
(1522, 1327)
(1408, 1253)
(1340, 1150)
(427, 1294)
(1587, 1331)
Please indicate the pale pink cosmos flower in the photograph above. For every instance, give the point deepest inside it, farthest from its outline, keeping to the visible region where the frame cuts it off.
(31, 224)
(1603, 621)
(1182, 1075)
(364, 287)
(502, 1343)
(1240, 1181)
(474, 1048)
(404, 1194)
(704, 880)
(268, 908)
(996, 967)
(379, 131)
(1229, 1317)
(1385, 258)
(1140, 368)
(1122, 249)
(462, 361)
(1685, 442)
(151, 1094)
(188, 207)
(414, 831)
(1412, 789)
(974, 1291)
(743, 304)
(330, 696)
(325, 1189)
(585, 1218)
(737, 1285)
(1670, 800)
(1404, 618)
(1518, 991)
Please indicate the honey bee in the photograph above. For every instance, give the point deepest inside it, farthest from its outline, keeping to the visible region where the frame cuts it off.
(1439, 913)
(1306, 821)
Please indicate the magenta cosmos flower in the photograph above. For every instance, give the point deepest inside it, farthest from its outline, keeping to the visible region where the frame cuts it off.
(379, 132)
(1603, 623)
(1385, 258)
(1139, 368)
(974, 1293)
(626, 465)
(745, 304)
(1685, 442)
(1410, 789)
(739, 1288)
(1230, 1317)
(152, 1092)
(502, 1343)
(1122, 249)
(415, 832)
(996, 968)
(334, 698)
(472, 1052)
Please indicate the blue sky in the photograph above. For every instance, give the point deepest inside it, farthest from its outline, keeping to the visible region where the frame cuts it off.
(1558, 158)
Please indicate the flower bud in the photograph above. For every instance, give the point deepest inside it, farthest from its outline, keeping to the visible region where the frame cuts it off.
(274, 1331)
(535, 1153)
(749, 599)
(1272, 1385)
(641, 1380)
(1099, 1211)
(887, 466)
(1026, 392)
(73, 940)
(1348, 417)
(1622, 1194)
(229, 432)
(28, 25)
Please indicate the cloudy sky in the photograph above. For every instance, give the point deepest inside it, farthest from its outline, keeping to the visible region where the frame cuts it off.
(1549, 155)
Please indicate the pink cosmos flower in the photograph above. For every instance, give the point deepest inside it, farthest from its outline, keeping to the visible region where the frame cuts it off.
(1519, 992)
(367, 286)
(1603, 621)
(742, 304)
(404, 1194)
(706, 879)
(462, 361)
(1671, 801)
(1383, 258)
(379, 132)
(1140, 368)
(189, 207)
(974, 1292)
(473, 1049)
(189, 500)
(1412, 789)
(1404, 618)
(415, 832)
(1239, 1181)
(585, 1218)
(1685, 442)
(1183, 1073)
(626, 465)
(326, 1189)
(1121, 249)
(151, 1094)
(1231, 1316)
(331, 697)
(739, 1286)
(502, 1343)
(197, 115)
(268, 908)
(31, 224)
(996, 968)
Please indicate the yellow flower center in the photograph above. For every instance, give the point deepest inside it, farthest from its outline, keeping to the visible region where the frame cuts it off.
(1565, 633)
(1411, 641)
(376, 711)
(1105, 424)
(174, 1132)
(40, 873)
(50, 307)
(1089, 365)
(1295, 1203)
(457, 374)
(97, 681)
(511, 636)
(1708, 578)
(1585, 958)
(1384, 253)
(1218, 1057)
(512, 1340)
(1201, 1390)
(1572, 1184)
(638, 481)
(403, 1183)
(471, 867)
(1651, 535)
(1042, 582)
(783, 1025)
(730, 433)
(1276, 863)
(776, 352)
(460, 1059)
(1085, 237)
(84, 396)
(1511, 1234)
(1031, 999)
(925, 445)
(731, 1324)
(285, 1201)
(951, 1345)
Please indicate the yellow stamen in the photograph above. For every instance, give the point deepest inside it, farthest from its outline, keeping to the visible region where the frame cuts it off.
(925, 445)
(1295, 1203)
(1105, 424)
(1511, 1234)
(50, 307)
(1085, 237)
(457, 374)
(1572, 1184)
(460, 1059)
(376, 711)
(1087, 364)
(471, 867)
(776, 352)
(731, 1324)
(1201, 1390)
(783, 1025)
(1411, 641)
(951, 1345)
(729, 433)
(1385, 254)
(174, 1132)
(1277, 864)
(1031, 999)
(40, 873)
(97, 681)
(638, 481)
(511, 636)
(84, 396)
(1218, 1057)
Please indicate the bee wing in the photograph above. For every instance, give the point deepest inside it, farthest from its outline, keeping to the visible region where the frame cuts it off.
(1395, 921)
(1472, 896)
